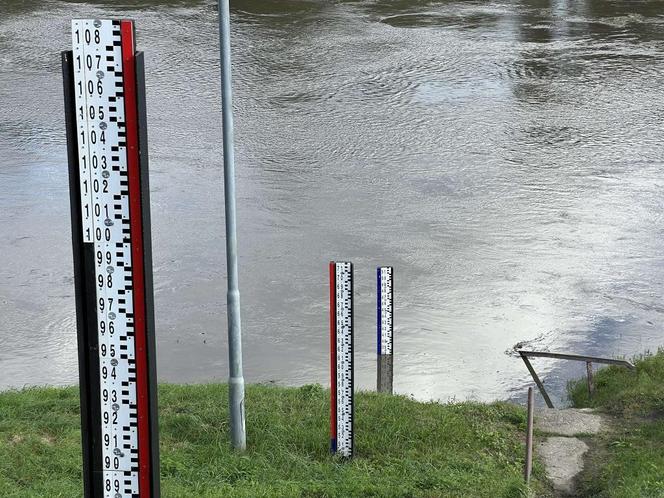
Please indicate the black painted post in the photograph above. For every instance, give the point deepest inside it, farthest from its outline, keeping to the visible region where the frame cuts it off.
(86, 307)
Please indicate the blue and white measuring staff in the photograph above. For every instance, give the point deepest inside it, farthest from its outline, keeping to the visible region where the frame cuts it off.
(384, 328)
(341, 358)
(384, 304)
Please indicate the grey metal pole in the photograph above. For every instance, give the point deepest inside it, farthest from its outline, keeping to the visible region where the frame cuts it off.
(236, 380)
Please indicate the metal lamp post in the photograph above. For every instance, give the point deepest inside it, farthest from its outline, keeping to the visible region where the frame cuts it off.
(236, 380)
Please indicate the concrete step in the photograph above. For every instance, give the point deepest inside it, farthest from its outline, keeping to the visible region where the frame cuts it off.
(569, 422)
(563, 460)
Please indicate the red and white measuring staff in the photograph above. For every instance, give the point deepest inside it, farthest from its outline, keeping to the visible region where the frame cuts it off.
(111, 189)
(341, 358)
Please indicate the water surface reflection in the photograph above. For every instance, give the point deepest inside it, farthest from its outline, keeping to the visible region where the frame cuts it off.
(505, 157)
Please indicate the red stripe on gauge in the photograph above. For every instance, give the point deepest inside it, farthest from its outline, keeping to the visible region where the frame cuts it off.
(138, 275)
(333, 356)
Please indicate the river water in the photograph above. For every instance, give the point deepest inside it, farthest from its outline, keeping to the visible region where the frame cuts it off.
(504, 157)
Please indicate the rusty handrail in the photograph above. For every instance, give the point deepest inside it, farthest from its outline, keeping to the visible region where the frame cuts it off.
(566, 356)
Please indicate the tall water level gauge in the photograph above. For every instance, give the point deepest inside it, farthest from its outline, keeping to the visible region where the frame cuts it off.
(107, 148)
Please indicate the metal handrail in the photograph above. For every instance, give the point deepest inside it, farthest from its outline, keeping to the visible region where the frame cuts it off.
(566, 356)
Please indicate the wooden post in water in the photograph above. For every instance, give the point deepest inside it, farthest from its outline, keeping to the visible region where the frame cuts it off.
(529, 436)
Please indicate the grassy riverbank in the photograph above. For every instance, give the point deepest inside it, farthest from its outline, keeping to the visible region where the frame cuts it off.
(404, 448)
(629, 461)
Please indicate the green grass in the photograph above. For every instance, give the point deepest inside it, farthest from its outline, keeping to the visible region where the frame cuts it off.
(629, 461)
(403, 448)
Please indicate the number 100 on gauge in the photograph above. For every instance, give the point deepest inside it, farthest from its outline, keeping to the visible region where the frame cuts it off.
(108, 177)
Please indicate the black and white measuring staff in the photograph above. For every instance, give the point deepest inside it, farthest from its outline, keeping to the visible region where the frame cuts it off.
(384, 328)
(341, 358)
(108, 178)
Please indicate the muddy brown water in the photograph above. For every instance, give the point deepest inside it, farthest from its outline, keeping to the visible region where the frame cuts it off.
(504, 157)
